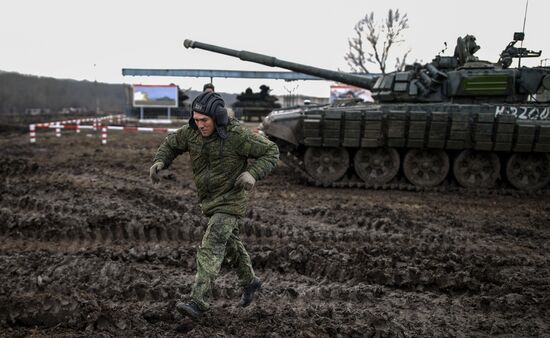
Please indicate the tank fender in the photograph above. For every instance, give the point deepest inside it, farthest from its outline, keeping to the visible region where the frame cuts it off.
(282, 132)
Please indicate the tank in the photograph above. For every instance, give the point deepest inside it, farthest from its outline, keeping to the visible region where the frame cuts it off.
(255, 105)
(454, 121)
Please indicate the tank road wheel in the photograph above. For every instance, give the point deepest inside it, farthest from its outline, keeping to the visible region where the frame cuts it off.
(476, 169)
(326, 165)
(376, 165)
(528, 171)
(426, 167)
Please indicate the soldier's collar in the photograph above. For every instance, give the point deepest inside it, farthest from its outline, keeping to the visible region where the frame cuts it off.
(212, 137)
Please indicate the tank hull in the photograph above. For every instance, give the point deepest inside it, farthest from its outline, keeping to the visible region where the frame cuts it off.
(423, 145)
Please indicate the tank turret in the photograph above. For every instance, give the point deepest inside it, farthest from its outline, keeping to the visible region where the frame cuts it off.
(458, 78)
(454, 121)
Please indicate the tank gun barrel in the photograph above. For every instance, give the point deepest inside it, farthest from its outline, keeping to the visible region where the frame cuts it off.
(351, 79)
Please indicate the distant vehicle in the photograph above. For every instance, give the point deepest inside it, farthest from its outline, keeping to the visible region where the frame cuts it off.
(255, 105)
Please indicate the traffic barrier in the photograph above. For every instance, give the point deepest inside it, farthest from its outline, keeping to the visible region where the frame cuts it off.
(118, 118)
(96, 125)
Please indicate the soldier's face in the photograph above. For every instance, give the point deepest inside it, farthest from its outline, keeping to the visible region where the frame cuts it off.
(204, 123)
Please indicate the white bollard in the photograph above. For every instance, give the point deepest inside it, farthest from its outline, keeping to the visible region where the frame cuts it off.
(32, 133)
(104, 135)
(58, 132)
(77, 126)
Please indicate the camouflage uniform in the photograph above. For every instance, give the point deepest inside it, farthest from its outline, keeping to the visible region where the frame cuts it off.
(216, 165)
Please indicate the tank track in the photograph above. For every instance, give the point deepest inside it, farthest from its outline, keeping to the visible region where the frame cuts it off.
(400, 183)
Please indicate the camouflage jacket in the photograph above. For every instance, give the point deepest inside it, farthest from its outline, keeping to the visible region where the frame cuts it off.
(217, 163)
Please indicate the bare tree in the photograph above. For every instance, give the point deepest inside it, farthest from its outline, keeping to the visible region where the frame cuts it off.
(364, 47)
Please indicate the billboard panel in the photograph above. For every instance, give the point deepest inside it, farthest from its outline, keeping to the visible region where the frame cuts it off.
(338, 92)
(155, 96)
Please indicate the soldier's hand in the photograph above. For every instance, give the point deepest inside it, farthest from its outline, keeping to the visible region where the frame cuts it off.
(153, 171)
(245, 181)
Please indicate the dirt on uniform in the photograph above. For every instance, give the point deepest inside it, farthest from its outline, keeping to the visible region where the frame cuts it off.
(89, 248)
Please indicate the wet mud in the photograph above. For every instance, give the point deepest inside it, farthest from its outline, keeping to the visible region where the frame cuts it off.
(89, 248)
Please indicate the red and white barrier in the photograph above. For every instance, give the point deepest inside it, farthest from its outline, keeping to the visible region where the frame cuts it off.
(142, 129)
(96, 124)
(122, 128)
(120, 118)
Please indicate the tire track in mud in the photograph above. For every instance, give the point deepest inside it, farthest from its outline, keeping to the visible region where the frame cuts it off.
(393, 263)
(49, 305)
(310, 255)
(113, 281)
(89, 249)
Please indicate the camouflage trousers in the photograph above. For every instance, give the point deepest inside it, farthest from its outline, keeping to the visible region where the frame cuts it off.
(220, 244)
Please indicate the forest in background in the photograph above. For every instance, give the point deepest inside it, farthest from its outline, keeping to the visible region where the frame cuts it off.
(20, 93)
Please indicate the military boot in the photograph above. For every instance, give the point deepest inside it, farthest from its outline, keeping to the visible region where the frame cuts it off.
(248, 292)
(190, 309)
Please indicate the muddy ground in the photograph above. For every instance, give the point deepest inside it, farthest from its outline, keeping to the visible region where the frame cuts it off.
(89, 248)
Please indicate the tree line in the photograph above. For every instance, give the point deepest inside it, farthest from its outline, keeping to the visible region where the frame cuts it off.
(19, 93)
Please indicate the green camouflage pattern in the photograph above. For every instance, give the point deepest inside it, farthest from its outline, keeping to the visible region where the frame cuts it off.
(220, 244)
(217, 163)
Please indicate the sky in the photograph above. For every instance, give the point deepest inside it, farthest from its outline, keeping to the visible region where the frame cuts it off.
(95, 39)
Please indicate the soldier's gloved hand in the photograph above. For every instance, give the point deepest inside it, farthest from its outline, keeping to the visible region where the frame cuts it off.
(153, 171)
(245, 181)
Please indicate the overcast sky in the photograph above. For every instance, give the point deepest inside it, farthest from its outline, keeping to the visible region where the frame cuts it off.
(95, 39)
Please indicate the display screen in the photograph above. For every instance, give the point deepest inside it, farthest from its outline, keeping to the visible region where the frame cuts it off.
(155, 96)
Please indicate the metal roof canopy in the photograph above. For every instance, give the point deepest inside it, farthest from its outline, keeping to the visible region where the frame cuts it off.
(211, 73)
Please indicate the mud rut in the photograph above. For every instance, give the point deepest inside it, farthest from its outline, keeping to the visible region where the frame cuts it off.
(90, 248)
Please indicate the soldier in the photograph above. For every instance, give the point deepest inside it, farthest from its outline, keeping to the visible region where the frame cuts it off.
(208, 87)
(219, 149)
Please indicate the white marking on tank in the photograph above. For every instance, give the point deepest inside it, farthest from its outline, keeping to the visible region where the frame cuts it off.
(523, 114)
(500, 110)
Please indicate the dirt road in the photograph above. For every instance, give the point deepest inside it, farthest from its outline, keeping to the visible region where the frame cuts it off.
(89, 248)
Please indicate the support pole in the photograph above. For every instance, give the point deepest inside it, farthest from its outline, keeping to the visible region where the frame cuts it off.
(32, 133)
(103, 134)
